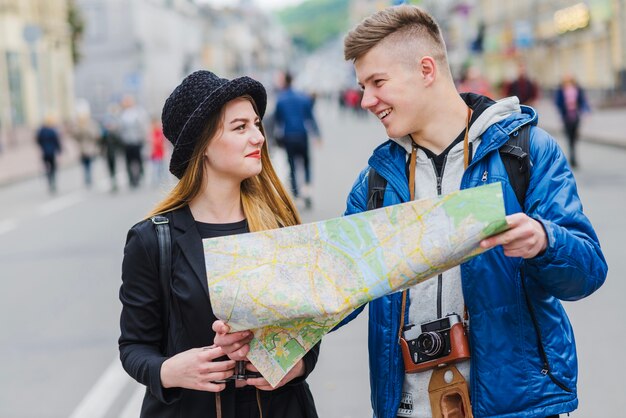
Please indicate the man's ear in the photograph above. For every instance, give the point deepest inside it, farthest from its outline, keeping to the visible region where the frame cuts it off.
(428, 70)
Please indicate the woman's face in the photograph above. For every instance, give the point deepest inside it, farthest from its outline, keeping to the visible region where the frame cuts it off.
(235, 152)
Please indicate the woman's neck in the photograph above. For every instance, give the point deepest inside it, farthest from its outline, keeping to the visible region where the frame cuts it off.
(217, 205)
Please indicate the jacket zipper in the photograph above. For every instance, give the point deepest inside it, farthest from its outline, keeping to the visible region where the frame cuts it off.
(439, 276)
(546, 370)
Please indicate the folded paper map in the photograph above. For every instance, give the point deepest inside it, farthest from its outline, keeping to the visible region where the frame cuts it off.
(292, 285)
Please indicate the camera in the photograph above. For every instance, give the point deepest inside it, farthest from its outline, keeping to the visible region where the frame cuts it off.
(442, 341)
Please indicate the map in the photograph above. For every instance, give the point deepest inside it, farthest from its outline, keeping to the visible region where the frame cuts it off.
(291, 286)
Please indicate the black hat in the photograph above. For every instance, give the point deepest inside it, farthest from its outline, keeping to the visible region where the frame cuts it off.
(186, 111)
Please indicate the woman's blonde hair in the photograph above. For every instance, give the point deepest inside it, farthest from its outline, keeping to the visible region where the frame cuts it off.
(265, 201)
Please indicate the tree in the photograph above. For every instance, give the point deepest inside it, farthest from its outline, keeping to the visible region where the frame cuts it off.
(76, 22)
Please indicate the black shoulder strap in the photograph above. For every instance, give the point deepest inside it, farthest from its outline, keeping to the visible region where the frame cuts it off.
(162, 227)
(376, 185)
(515, 156)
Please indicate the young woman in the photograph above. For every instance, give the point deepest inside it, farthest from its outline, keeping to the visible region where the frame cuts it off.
(226, 186)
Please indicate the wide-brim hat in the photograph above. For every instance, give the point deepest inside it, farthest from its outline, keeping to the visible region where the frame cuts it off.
(190, 105)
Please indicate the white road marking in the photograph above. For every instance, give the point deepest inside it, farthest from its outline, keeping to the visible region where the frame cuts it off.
(60, 203)
(103, 394)
(7, 225)
(133, 407)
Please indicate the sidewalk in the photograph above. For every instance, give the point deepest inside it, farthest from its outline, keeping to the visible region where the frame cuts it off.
(22, 159)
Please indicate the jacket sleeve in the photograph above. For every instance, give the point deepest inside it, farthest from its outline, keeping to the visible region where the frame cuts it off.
(573, 266)
(141, 319)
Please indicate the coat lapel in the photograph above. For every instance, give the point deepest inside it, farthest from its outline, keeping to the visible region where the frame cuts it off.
(190, 244)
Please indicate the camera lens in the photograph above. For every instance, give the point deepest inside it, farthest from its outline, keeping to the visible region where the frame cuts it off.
(429, 343)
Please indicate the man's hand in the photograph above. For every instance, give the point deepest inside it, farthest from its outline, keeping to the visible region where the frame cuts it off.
(234, 345)
(526, 237)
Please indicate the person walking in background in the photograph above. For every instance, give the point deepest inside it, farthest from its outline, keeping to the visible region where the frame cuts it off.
(571, 101)
(134, 125)
(87, 133)
(523, 87)
(474, 82)
(157, 152)
(48, 140)
(111, 142)
(522, 355)
(227, 186)
(294, 118)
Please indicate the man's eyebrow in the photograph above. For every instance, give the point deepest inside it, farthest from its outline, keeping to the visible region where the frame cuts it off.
(379, 74)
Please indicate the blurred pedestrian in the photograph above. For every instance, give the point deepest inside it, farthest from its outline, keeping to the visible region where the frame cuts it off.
(522, 86)
(295, 119)
(111, 142)
(571, 101)
(226, 186)
(134, 125)
(50, 145)
(157, 152)
(87, 133)
(474, 82)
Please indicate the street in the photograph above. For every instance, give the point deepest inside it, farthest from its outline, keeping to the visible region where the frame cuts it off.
(61, 259)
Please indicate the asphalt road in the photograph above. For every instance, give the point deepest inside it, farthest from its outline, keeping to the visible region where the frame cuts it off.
(60, 273)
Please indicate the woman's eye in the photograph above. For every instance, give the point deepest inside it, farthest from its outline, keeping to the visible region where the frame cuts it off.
(378, 83)
(240, 127)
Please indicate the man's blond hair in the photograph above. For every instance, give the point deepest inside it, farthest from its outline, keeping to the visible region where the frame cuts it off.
(407, 28)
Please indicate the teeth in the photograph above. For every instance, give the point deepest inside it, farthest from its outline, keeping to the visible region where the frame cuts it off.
(384, 113)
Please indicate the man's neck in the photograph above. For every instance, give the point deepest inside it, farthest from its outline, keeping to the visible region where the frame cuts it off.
(449, 117)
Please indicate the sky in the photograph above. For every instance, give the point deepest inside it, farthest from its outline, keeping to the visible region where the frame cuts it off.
(265, 4)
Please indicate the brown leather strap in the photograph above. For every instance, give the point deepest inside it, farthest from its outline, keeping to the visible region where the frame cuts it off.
(466, 138)
(218, 404)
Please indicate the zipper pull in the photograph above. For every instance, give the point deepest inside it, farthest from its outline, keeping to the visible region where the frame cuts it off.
(484, 179)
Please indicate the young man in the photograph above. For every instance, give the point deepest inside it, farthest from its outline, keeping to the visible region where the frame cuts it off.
(523, 356)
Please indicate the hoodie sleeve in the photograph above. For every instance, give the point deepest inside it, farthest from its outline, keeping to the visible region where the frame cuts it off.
(573, 266)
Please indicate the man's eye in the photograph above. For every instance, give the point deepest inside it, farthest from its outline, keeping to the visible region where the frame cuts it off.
(379, 82)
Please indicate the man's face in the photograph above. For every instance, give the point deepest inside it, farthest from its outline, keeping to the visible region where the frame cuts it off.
(392, 89)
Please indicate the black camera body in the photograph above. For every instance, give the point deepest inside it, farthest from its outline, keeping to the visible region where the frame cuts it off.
(442, 341)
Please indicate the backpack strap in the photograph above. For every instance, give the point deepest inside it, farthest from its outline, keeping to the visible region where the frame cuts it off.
(164, 240)
(515, 157)
(376, 185)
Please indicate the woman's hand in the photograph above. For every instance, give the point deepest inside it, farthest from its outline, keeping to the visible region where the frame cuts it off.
(196, 369)
(234, 345)
(262, 384)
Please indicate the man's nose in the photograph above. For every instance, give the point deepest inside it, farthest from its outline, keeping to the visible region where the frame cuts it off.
(368, 100)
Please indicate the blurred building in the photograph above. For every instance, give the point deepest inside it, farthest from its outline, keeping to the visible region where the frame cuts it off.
(146, 47)
(585, 38)
(137, 47)
(36, 68)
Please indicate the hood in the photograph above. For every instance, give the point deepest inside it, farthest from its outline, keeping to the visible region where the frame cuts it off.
(487, 113)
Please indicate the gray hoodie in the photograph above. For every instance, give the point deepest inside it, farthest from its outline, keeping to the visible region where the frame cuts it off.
(423, 297)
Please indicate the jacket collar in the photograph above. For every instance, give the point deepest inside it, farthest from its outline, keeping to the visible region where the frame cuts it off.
(188, 239)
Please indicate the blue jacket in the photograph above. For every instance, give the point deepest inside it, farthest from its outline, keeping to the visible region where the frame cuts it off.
(294, 115)
(508, 376)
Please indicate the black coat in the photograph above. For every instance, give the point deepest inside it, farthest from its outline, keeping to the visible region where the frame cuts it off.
(190, 323)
